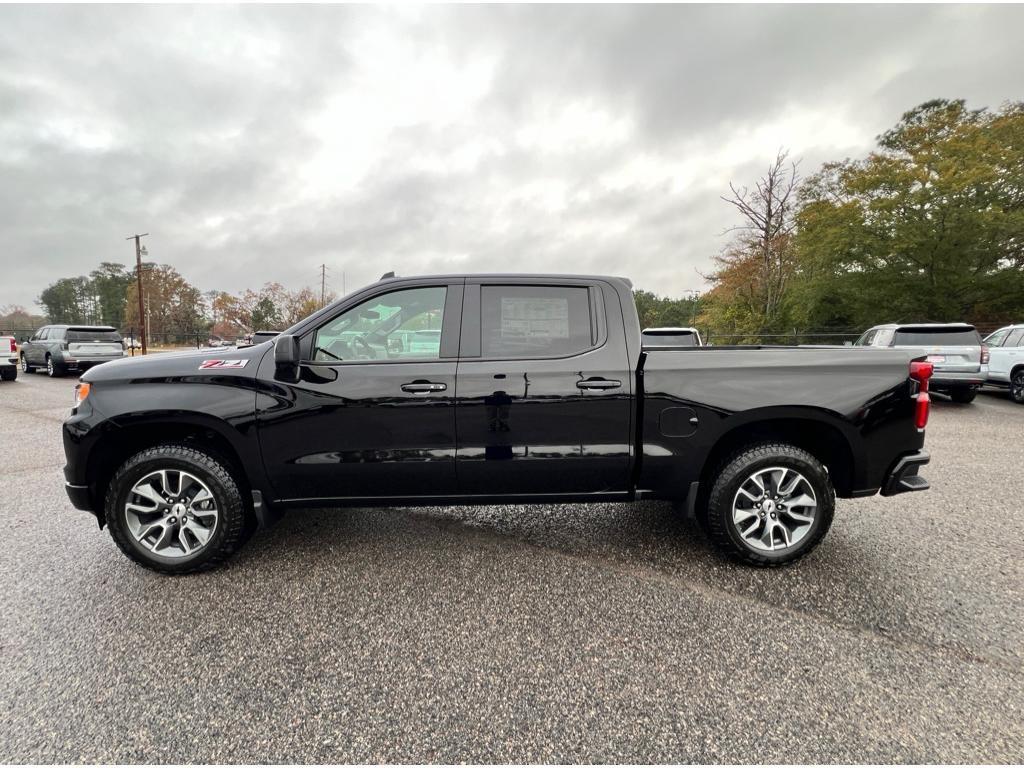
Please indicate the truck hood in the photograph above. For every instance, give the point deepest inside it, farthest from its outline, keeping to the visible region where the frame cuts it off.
(202, 362)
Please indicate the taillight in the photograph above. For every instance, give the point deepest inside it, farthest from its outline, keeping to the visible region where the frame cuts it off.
(921, 372)
(14, 345)
(985, 354)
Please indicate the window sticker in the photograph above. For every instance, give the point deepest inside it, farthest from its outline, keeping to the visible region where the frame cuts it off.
(534, 318)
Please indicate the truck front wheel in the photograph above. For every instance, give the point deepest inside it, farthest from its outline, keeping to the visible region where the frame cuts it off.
(176, 509)
(770, 504)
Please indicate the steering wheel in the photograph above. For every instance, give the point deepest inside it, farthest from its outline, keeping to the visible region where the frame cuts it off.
(371, 353)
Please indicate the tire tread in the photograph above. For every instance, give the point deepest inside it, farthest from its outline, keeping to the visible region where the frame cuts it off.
(234, 517)
(738, 463)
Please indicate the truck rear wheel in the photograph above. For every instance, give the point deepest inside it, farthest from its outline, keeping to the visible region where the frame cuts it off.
(176, 509)
(1017, 386)
(963, 394)
(770, 504)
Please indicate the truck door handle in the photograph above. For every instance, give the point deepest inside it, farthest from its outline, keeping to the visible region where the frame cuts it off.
(598, 384)
(421, 387)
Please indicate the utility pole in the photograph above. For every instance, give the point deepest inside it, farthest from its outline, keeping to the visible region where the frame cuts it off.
(138, 278)
(323, 284)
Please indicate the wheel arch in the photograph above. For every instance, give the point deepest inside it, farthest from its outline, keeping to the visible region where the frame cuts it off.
(194, 430)
(822, 436)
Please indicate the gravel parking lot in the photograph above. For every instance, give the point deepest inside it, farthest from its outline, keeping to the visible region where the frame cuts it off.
(554, 634)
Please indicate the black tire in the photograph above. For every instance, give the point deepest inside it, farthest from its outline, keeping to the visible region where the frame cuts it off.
(9, 373)
(25, 367)
(963, 394)
(54, 370)
(1017, 386)
(232, 526)
(735, 471)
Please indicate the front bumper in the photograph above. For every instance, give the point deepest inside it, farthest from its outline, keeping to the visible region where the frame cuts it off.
(903, 477)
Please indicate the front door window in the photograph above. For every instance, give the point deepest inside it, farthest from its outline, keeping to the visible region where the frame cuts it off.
(401, 325)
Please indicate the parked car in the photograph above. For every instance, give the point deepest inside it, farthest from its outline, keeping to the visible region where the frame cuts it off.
(540, 389)
(955, 350)
(672, 337)
(8, 358)
(61, 348)
(217, 341)
(1006, 359)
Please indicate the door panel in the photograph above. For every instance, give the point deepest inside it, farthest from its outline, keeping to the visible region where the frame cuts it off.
(353, 431)
(558, 425)
(373, 412)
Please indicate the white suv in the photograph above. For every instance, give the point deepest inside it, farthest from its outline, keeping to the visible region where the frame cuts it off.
(1006, 361)
(8, 359)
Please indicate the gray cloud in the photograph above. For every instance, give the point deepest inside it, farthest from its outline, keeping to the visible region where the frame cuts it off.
(255, 143)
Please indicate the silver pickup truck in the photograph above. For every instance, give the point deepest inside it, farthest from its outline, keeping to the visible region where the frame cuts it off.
(62, 348)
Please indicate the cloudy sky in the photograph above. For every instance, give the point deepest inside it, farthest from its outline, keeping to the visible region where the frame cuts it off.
(255, 143)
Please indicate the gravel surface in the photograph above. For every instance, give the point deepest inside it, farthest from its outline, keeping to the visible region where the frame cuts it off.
(543, 633)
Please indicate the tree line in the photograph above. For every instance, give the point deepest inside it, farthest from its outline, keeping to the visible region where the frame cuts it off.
(173, 307)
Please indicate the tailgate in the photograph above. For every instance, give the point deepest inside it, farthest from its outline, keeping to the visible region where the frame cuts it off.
(954, 359)
(95, 349)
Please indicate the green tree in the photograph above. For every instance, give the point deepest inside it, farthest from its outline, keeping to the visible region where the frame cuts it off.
(109, 284)
(66, 301)
(265, 316)
(928, 227)
(660, 311)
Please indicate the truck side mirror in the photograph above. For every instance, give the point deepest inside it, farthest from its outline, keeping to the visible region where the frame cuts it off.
(286, 357)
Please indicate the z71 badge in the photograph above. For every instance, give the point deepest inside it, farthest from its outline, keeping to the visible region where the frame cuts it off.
(222, 364)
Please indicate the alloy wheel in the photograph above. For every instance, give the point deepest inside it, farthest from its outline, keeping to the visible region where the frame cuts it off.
(172, 513)
(49, 367)
(774, 509)
(24, 364)
(1017, 387)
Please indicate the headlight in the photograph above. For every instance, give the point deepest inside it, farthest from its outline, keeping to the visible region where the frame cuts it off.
(81, 392)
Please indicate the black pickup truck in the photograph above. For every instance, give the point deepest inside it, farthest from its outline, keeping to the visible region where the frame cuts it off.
(473, 389)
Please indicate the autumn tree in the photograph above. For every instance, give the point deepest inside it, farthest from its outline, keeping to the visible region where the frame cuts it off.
(752, 275)
(173, 305)
(930, 226)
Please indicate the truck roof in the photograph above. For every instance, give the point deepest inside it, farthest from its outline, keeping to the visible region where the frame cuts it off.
(510, 276)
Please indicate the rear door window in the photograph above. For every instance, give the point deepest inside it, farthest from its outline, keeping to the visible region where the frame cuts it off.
(1015, 339)
(939, 337)
(524, 321)
(996, 339)
(883, 338)
(867, 338)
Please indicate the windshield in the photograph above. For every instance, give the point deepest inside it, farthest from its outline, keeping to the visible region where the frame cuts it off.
(89, 334)
(946, 337)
